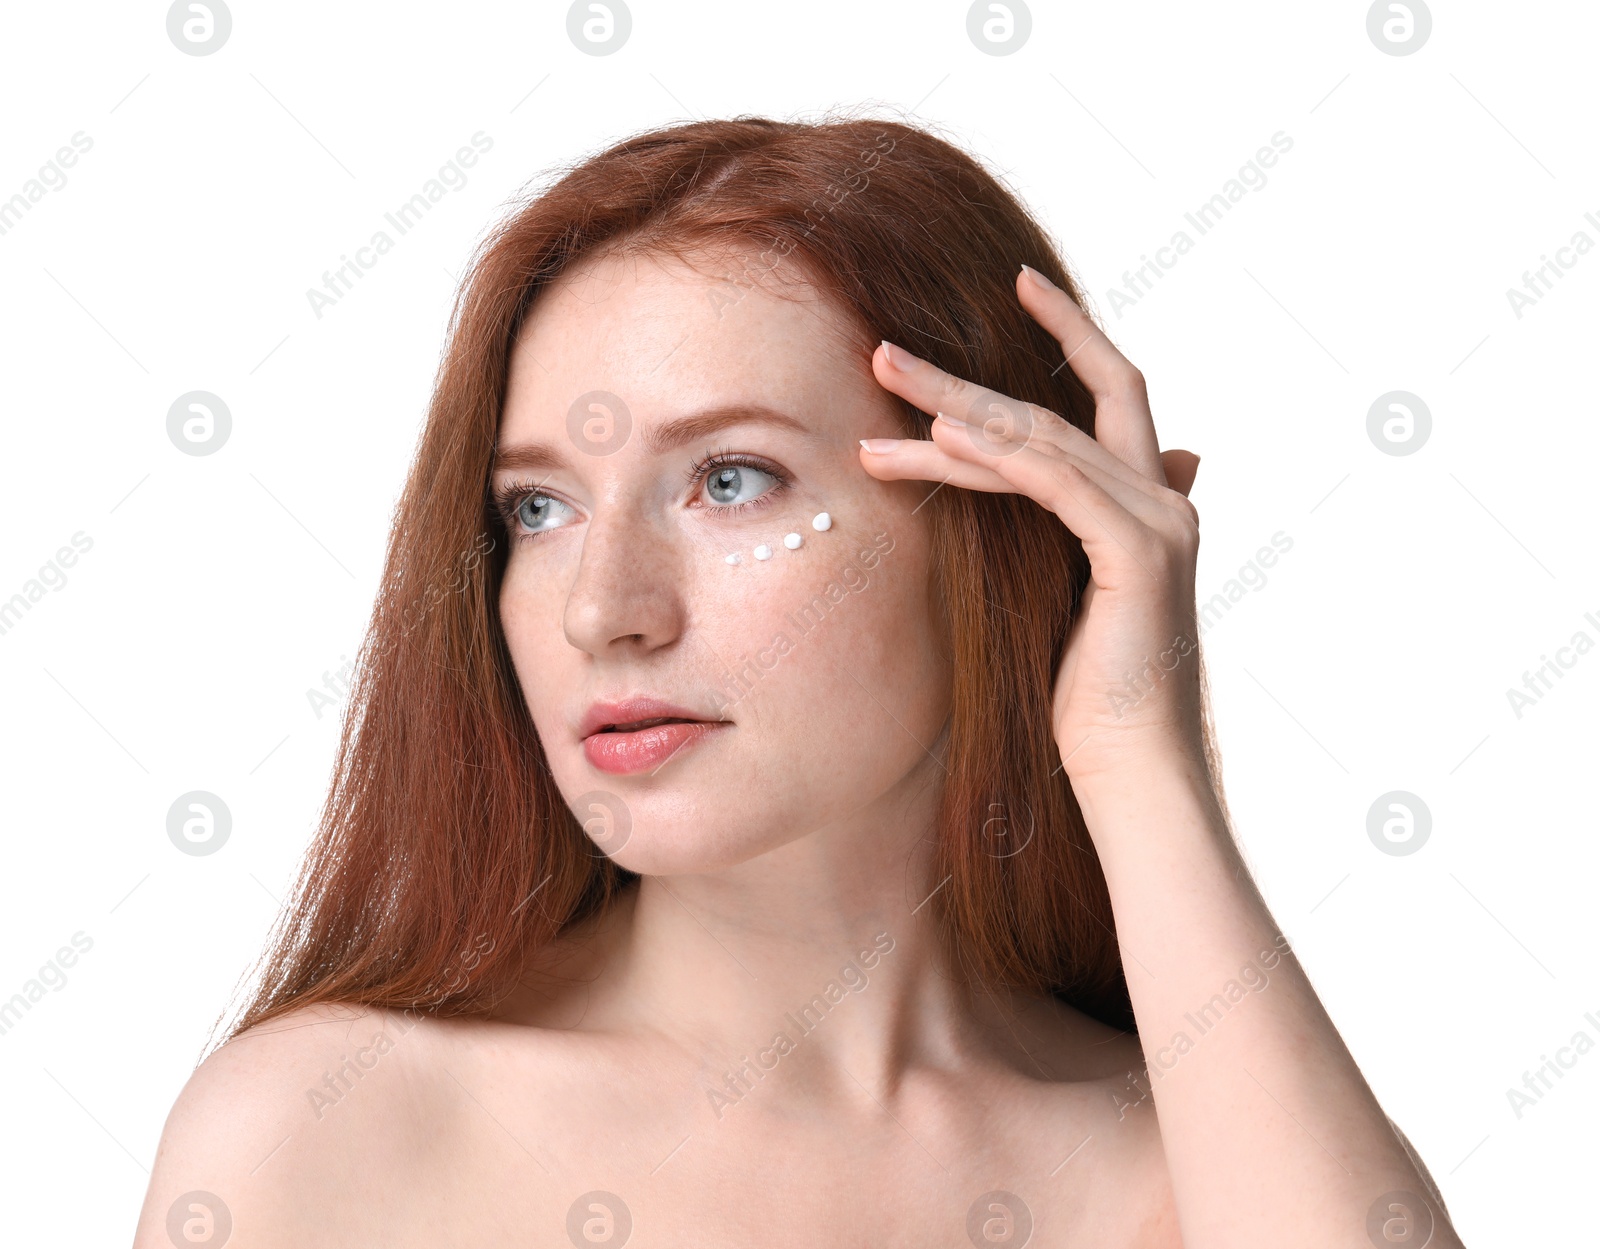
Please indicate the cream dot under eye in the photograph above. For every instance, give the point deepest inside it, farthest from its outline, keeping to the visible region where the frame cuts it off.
(793, 541)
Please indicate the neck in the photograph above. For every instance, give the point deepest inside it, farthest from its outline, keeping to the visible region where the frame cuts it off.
(818, 960)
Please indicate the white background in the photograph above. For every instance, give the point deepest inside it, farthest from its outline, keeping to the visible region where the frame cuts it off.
(1376, 657)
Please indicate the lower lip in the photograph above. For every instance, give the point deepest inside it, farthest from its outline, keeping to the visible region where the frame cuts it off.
(642, 749)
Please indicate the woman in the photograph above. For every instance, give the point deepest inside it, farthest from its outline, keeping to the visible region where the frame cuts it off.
(782, 711)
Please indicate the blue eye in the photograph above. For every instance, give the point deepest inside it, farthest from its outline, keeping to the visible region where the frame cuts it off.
(735, 481)
(535, 512)
(733, 484)
(527, 511)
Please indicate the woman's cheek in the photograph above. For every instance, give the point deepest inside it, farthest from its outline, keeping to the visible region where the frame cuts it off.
(531, 617)
(807, 618)
(749, 607)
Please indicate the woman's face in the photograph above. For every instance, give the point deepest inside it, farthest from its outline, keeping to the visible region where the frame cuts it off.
(827, 664)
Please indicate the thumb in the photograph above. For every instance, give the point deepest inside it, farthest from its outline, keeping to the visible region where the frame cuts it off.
(1180, 468)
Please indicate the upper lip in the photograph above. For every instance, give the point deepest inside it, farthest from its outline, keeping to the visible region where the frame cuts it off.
(604, 715)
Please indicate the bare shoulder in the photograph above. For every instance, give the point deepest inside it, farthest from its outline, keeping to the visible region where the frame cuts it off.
(1131, 1134)
(279, 1127)
(1101, 1072)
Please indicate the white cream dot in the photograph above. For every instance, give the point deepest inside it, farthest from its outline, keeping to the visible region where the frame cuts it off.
(763, 551)
(791, 540)
(821, 521)
(734, 558)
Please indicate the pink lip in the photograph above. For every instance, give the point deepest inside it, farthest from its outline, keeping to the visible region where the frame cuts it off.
(639, 749)
(644, 749)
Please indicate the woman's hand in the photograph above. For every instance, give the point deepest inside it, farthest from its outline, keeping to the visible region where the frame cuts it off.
(1128, 686)
(1248, 1128)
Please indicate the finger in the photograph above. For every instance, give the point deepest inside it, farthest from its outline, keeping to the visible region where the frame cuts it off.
(1079, 495)
(1180, 467)
(956, 459)
(1117, 542)
(1122, 420)
(994, 418)
(1050, 464)
(917, 459)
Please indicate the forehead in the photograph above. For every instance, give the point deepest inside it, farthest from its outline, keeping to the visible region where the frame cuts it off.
(666, 334)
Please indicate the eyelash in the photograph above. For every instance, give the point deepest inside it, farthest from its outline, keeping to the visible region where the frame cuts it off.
(725, 458)
(509, 498)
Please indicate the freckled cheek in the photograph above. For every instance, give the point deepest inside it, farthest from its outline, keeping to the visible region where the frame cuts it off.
(817, 623)
(879, 633)
(743, 611)
(531, 610)
(528, 602)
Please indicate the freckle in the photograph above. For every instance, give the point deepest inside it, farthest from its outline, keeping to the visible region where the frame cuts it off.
(734, 558)
(821, 521)
(791, 540)
(763, 551)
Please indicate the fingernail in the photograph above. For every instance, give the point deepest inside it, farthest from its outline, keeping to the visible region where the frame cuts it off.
(898, 357)
(1039, 279)
(950, 420)
(880, 446)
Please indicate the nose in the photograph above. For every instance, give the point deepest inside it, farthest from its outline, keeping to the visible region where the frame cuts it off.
(628, 589)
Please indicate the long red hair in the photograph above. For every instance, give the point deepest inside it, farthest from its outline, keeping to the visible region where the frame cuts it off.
(444, 853)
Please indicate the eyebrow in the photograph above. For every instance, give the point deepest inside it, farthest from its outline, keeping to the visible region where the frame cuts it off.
(657, 439)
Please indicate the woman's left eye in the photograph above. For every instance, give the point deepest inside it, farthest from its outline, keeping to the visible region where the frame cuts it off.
(732, 485)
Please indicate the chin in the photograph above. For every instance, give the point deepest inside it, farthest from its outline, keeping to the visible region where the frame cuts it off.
(688, 844)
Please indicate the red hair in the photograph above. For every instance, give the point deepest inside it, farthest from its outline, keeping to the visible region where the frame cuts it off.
(445, 854)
